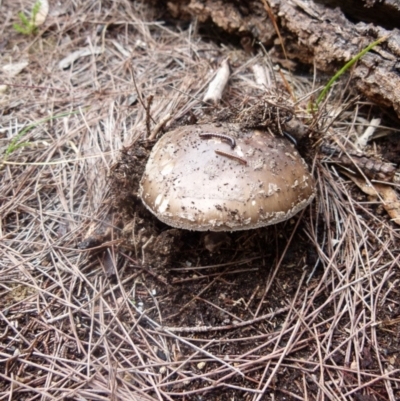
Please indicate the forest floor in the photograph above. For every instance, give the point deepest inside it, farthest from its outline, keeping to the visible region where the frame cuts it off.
(101, 301)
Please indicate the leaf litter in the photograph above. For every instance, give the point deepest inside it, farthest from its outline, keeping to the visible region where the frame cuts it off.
(99, 300)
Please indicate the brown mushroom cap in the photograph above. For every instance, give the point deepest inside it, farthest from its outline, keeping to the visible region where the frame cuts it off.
(261, 181)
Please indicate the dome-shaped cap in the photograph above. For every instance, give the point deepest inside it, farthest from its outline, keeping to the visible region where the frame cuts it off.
(222, 178)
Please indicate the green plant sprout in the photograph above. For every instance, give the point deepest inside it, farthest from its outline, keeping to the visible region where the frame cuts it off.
(15, 144)
(350, 63)
(28, 24)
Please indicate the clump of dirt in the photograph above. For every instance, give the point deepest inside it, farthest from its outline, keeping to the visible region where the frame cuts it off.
(141, 231)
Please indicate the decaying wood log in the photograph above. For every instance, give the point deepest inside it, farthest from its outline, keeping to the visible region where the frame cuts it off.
(243, 18)
(316, 34)
(385, 13)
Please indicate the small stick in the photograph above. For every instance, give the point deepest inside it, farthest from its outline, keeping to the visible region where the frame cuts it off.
(148, 115)
(231, 156)
(206, 135)
(362, 140)
(217, 85)
(159, 125)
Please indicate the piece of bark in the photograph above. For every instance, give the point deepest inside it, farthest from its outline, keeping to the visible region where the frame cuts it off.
(316, 34)
(218, 84)
(326, 37)
(385, 13)
(238, 18)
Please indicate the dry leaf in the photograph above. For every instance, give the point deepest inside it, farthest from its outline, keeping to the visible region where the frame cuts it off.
(391, 202)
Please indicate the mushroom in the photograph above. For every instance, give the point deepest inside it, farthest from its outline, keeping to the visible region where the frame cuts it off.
(224, 178)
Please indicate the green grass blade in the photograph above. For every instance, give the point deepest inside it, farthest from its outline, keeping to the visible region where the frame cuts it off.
(35, 10)
(28, 24)
(23, 19)
(346, 67)
(20, 29)
(14, 143)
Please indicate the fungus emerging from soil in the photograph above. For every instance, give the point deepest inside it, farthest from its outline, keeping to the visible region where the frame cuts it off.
(196, 179)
